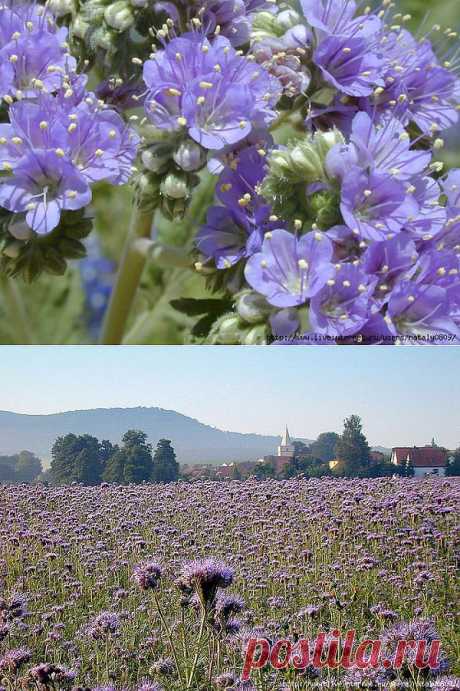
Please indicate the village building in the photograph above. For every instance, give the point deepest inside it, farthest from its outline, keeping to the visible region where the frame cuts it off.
(286, 452)
(426, 460)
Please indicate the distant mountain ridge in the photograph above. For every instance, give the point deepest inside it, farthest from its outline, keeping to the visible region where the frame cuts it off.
(193, 441)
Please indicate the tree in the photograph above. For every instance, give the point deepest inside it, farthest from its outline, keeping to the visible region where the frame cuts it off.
(76, 459)
(453, 466)
(114, 471)
(265, 470)
(138, 462)
(352, 448)
(165, 466)
(324, 447)
(28, 467)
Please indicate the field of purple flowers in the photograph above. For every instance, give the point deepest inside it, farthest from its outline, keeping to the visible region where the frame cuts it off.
(159, 586)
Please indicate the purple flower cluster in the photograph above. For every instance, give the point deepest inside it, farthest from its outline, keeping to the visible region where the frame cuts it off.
(207, 90)
(55, 148)
(229, 18)
(374, 64)
(389, 269)
(366, 244)
(34, 55)
(147, 575)
(204, 577)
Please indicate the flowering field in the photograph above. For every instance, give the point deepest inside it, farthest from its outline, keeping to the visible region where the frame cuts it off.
(105, 588)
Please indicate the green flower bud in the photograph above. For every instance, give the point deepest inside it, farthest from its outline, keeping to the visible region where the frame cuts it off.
(175, 186)
(80, 28)
(264, 25)
(157, 158)
(92, 11)
(256, 336)
(252, 307)
(119, 15)
(286, 19)
(102, 38)
(229, 330)
(61, 7)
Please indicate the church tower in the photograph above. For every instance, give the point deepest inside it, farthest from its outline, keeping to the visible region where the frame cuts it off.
(286, 448)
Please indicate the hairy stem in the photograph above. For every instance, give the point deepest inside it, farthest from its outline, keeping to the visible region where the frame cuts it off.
(198, 649)
(128, 278)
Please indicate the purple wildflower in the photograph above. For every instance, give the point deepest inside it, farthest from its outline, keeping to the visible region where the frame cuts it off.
(13, 659)
(375, 206)
(147, 575)
(208, 90)
(46, 674)
(205, 576)
(288, 270)
(104, 624)
(343, 306)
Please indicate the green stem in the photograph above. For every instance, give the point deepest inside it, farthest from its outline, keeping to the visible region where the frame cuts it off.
(198, 648)
(168, 634)
(128, 278)
(18, 316)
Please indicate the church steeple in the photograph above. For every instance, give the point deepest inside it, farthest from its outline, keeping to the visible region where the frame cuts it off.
(286, 447)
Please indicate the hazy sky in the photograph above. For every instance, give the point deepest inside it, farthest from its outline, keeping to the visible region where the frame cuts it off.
(405, 395)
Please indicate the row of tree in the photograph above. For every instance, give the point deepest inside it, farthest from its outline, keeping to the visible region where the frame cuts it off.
(21, 467)
(86, 460)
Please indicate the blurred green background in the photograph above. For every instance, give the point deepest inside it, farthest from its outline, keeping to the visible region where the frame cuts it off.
(68, 309)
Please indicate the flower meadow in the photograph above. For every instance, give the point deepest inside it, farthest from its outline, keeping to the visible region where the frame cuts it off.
(155, 587)
(257, 171)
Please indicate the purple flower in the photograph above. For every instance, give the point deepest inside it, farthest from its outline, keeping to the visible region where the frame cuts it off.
(383, 148)
(343, 306)
(375, 206)
(446, 683)
(428, 91)
(104, 624)
(217, 95)
(451, 188)
(288, 270)
(335, 17)
(50, 674)
(349, 65)
(389, 261)
(205, 576)
(226, 238)
(42, 186)
(54, 148)
(147, 575)
(13, 659)
(33, 56)
(236, 230)
(421, 311)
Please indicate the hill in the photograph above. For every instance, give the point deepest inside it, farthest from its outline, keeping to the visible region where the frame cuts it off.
(193, 441)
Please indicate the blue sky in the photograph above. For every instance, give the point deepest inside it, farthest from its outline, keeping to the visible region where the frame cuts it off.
(405, 395)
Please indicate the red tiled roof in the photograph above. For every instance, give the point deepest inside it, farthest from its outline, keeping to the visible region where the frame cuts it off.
(421, 456)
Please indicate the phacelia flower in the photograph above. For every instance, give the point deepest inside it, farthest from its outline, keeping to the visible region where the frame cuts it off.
(208, 91)
(290, 270)
(205, 577)
(147, 575)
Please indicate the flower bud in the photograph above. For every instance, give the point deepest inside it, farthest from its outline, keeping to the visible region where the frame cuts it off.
(190, 156)
(61, 7)
(252, 307)
(80, 27)
(102, 38)
(229, 331)
(286, 19)
(157, 158)
(175, 186)
(256, 336)
(119, 15)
